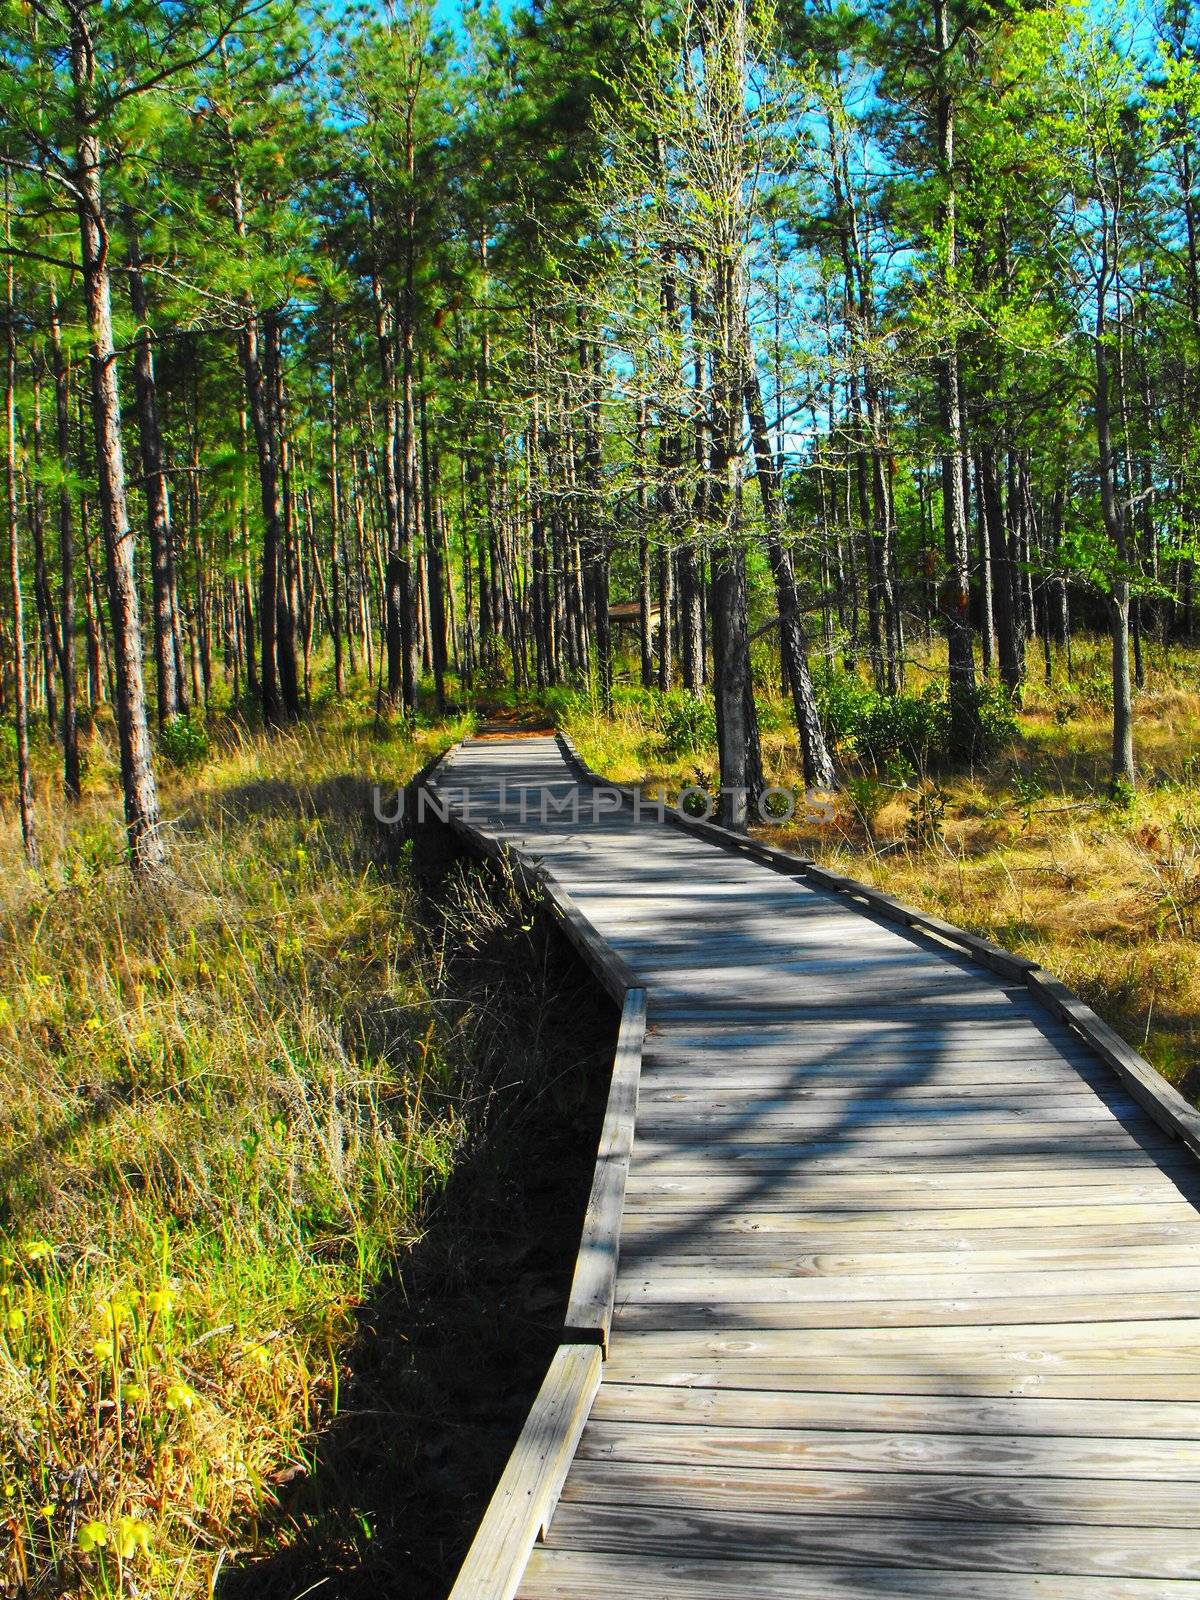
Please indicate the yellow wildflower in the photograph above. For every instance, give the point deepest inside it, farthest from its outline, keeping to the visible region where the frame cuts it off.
(132, 1535)
(180, 1396)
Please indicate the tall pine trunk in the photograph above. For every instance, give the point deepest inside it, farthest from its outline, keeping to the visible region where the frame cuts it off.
(66, 559)
(818, 764)
(20, 671)
(147, 847)
(158, 501)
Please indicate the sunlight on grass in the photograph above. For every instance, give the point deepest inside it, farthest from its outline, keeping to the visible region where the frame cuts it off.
(228, 1104)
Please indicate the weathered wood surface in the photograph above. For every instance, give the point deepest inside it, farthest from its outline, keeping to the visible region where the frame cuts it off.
(594, 1287)
(524, 1501)
(908, 1291)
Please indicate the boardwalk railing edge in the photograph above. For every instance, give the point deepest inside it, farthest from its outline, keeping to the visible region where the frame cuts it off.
(519, 1511)
(523, 1503)
(1158, 1098)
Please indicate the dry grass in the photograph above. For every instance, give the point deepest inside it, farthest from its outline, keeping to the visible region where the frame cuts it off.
(227, 1106)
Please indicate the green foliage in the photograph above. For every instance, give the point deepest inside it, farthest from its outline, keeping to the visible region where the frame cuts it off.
(183, 741)
(868, 796)
(925, 825)
(910, 728)
(1029, 789)
(687, 724)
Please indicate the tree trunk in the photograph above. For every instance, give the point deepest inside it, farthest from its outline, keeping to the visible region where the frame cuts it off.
(66, 560)
(1009, 635)
(21, 682)
(268, 582)
(335, 524)
(818, 764)
(158, 502)
(1118, 597)
(147, 849)
(956, 599)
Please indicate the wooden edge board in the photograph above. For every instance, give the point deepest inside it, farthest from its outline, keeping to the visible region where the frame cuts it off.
(610, 969)
(520, 1510)
(1158, 1098)
(594, 1285)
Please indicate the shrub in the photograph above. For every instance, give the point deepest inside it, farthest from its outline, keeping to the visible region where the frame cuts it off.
(183, 741)
(925, 824)
(868, 796)
(914, 729)
(687, 724)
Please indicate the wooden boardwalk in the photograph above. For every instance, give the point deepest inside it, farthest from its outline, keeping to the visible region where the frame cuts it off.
(907, 1298)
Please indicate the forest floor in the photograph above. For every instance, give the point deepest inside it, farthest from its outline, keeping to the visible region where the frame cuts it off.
(276, 1286)
(1025, 849)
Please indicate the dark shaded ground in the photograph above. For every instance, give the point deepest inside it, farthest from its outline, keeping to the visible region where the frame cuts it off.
(450, 1355)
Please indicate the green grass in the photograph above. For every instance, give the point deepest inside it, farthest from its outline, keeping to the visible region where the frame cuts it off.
(228, 1105)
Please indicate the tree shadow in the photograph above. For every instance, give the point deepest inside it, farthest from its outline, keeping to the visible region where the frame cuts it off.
(450, 1353)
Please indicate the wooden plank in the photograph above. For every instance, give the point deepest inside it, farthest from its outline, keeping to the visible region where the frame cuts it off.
(1094, 1155)
(783, 1162)
(1066, 1275)
(816, 1194)
(529, 1487)
(731, 1195)
(555, 1574)
(1152, 1346)
(590, 1305)
(935, 1544)
(1163, 1425)
(667, 1441)
(733, 1318)
(677, 1256)
(881, 1120)
(913, 1378)
(870, 1094)
(964, 1496)
(681, 1244)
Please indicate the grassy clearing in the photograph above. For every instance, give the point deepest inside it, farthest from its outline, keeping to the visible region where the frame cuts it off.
(228, 1104)
(1025, 849)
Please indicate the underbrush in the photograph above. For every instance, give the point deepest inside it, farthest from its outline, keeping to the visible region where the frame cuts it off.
(229, 1103)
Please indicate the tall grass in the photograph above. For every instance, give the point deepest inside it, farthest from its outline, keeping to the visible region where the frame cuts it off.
(227, 1105)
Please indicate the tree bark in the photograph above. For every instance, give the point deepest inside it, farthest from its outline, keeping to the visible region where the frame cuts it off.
(956, 599)
(66, 559)
(147, 848)
(158, 500)
(818, 764)
(20, 671)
